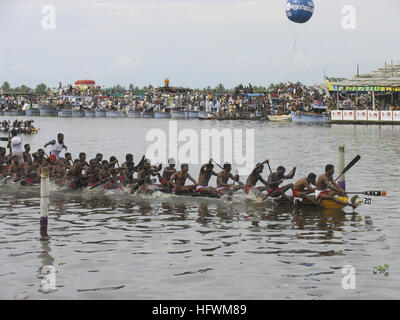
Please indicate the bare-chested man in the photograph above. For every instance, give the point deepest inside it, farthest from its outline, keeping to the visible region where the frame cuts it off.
(15, 169)
(128, 168)
(179, 178)
(26, 154)
(144, 175)
(326, 188)
(206, 172)
(223, 178)
(254, 177)
(168, 173)
(275, 179)
(302, 188)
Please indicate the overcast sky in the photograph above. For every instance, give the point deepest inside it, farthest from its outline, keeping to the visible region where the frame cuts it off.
(193, 42)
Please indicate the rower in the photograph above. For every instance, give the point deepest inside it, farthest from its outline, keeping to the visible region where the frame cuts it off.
(15, 169)
(3, 160)
(178, 180)
(26, 154)
(206, 172)
(57, 146)
(168, 173)
(128, 168)
(275, 179)
(326, 188)
(67, 161)
(254, 177)
(144, 175)
(223, 178)
(302, 188)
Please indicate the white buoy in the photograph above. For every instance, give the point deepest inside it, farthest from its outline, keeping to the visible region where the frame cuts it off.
(342, 181)
(44, 199)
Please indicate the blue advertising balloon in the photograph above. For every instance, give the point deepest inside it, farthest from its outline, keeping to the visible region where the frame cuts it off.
(299, 11)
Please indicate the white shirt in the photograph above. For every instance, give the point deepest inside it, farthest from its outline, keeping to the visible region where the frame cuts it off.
(56, 149)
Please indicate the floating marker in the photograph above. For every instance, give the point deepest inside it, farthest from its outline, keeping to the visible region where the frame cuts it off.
(44, 199)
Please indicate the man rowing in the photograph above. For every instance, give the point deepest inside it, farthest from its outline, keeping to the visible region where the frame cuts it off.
(277, 178)
(15, 169)
(302, 188)
(26, 154)
(128, 168)
(206, 172)
(326, 188)
(178, 180)
(254, 177)
(144, 176)
(167, 174)
(223, 179)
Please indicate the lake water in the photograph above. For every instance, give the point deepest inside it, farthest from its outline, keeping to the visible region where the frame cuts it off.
(110, 245)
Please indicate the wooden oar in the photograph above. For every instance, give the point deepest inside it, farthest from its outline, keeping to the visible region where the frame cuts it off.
(99, 184)
(349, 166)
(370, 193)
(240, 182)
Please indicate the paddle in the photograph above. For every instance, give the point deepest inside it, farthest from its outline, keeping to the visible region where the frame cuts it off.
(370, 193)
(98, 184)
(240, 183)
(349, 166)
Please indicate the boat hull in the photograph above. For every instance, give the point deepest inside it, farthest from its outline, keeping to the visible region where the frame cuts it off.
(134, 114)
(178, 114)
(162, 115)
(78, 114)
(282, 118)
(89, 114)
(146, 115)
(64, 113)
(100, 114)
(302, 117)
(45, 112)
(32, 112)
(203, 115)
(193, 114)
(325, 204)
(113, 114)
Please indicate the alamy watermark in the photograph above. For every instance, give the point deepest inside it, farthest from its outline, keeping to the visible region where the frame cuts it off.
(49, 280)
(49, 19)
(235, 146)
(349, 280)
(349, 21)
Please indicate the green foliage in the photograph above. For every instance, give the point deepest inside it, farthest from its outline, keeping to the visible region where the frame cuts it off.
(381, 270)
(6, 86)
(41, 87)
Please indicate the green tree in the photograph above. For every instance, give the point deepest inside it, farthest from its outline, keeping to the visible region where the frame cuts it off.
(24, 89)
(118, 89)
(6, 86)
(219, 89)
(41, 87)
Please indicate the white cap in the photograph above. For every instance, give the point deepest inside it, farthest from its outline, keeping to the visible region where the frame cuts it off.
(171, 161)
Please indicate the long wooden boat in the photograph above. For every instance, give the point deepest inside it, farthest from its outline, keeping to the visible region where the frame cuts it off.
(177, 114)
(162, 115)
(64, 113)
(310, 117)
(280, 118)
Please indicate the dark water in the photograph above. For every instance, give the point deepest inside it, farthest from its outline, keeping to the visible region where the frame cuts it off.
(110, 245)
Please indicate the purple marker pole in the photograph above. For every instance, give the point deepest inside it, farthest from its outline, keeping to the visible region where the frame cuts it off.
(342, 180)
(44, 199)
